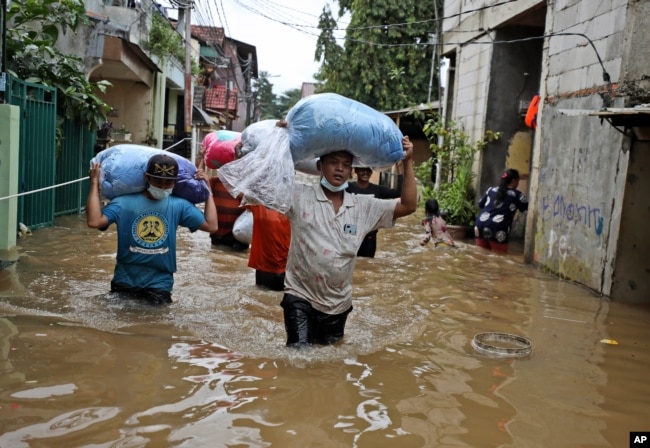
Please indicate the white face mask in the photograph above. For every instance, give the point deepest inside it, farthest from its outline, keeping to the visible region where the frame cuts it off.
(159, 193)
(325, 183)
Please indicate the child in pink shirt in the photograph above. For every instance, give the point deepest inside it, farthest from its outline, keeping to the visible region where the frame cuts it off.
(434, 226)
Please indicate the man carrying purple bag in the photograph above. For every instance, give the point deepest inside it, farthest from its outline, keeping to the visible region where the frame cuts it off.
(146, 225)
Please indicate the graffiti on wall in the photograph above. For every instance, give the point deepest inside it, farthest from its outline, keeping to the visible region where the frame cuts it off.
(569, 235)
(560, 210)
(563, 244)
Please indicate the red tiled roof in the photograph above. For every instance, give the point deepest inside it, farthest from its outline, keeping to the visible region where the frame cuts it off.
(208, 34)
(215, 98)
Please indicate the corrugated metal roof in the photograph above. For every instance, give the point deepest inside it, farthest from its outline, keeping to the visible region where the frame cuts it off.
(201, 116)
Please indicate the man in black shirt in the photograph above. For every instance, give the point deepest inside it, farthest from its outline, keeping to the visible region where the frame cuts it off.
(363, 186)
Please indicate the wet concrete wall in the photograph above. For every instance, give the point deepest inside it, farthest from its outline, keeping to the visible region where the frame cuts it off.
(576, 208)
(587, 208)
(580, 163)
(631, 280)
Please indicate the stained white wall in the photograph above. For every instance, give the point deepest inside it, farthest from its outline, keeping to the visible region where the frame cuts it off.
(580, 165)
(585, 175)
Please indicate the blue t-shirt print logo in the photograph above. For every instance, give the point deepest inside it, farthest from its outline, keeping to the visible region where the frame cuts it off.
(150, 229)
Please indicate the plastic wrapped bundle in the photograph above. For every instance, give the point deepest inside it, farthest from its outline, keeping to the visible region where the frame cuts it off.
(220, 147)
(264, 175)
(316, 125)
(256, 133)
(326, 122)
(242, 229)
(123, 167)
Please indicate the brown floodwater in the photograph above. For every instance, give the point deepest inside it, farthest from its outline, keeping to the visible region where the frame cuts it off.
(79, 368)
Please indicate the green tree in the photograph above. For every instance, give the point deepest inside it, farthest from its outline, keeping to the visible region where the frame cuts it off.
(164, 41)
(33, 28)
(386, 59)
(265, 100)
(287, 100)
(328, 52)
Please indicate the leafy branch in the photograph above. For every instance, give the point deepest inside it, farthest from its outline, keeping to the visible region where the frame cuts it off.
(164, 40)
(33, 28)
(455, 152)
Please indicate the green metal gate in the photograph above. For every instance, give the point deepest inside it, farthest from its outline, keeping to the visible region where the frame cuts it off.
(37, 150)
(60, 173)
(72, 165)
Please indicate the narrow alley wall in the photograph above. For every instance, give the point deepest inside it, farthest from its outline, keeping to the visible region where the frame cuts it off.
(588, 180)
(577, 207)
(579, 166)
(631, 281)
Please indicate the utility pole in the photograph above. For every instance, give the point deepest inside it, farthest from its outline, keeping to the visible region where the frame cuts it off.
(188, 70)
(438, 53)
(435, 54)
(433, 39)
(228, 64)
(249, 90)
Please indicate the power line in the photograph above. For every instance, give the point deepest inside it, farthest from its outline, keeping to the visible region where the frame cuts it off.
(370, 27)
(297, 27)
(225, 21)
(606, 77)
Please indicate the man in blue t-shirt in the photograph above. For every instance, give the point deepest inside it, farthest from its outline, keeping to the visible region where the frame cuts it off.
(146, 225)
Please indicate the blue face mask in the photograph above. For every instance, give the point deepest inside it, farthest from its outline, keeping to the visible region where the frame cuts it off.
(324, 182)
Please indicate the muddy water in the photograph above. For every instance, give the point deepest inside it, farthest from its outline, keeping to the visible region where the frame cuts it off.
(79, 368)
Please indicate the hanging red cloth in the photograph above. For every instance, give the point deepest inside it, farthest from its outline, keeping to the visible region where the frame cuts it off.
(531, 113)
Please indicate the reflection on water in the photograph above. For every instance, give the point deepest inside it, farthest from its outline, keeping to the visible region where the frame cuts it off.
(79, 367)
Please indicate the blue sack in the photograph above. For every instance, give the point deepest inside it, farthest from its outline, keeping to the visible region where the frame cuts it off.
(123, 167)
(326, 122)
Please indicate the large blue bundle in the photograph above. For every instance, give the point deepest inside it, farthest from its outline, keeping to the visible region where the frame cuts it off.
(326, 122)
(123, 167)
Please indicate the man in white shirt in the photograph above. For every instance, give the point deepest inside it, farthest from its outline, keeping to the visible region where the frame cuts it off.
(327, 227)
